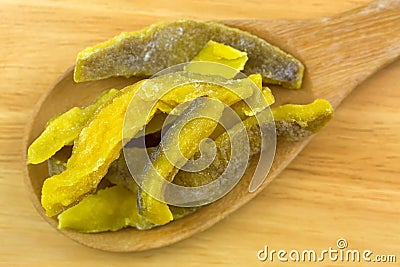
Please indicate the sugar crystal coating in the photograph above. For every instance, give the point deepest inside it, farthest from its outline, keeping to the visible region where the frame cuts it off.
(162, 45)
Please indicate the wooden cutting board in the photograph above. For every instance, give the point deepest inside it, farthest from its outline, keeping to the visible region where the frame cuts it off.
(345, 184)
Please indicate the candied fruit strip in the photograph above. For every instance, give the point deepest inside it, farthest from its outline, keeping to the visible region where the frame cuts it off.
(231, 95)
(256, 78)
(243, 110)
(110, 209)
(222, 54)
(194, 85)
(241, 107)
(63, 129)
(162, 45)
(97, 146)
(188, 92)
(292, 122)
(119, 174)
(222, 156)
(225, 56)
(187, 134)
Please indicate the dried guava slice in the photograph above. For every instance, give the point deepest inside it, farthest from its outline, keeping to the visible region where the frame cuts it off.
(243, 109)
(119, 174)
(64, 128)
(292, 122)
(162, 45)
(110, 209)
(226, 92)
(222, 156)
(187, 134)
(98, 145)
(182, 86)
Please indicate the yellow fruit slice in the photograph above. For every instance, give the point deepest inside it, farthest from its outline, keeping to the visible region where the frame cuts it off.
(97, 146)
(243, 109)
(187, 134)
(64, 129)
(222, 54)
(292, 122)
(110, 209)
(162, 45)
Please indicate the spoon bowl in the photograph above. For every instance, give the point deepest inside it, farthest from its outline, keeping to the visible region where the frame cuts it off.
(338, 52)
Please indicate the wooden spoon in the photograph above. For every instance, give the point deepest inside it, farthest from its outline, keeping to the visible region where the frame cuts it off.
(339, 53)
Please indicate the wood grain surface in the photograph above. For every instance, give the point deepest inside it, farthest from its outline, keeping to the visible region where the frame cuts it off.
(343, 185)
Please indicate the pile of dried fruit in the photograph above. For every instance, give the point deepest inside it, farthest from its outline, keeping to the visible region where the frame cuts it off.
(92, 190)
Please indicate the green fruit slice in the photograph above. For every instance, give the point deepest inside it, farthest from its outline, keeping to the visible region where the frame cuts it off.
(162, 45)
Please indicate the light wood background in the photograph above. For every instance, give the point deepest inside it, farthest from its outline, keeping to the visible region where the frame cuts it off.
(345, 184)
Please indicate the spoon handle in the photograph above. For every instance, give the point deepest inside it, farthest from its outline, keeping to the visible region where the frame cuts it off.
(346, 49)
(341, 51)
